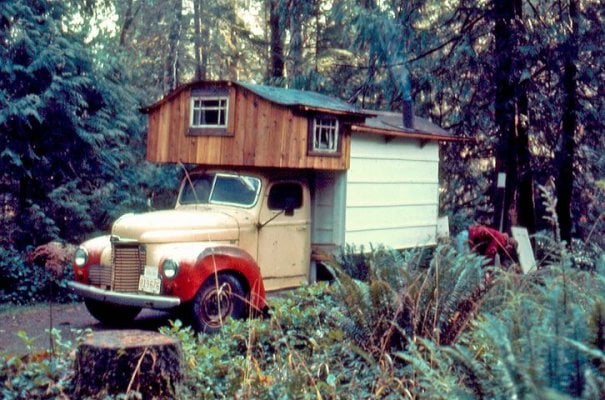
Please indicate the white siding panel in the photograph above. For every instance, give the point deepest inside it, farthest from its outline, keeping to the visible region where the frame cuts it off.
(392, 192)
(391, 170)
(395, 238)
(328, 208)
(390, 217)
(375, 147)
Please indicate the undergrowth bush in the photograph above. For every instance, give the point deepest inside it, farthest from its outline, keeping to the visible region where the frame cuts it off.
(539, 335)
(298, 352)
(545, 339)
(402, 298)
(40, 375)
(24, 283)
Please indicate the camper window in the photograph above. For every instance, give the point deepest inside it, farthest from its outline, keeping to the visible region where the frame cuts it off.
(324, 134)
(209, 112)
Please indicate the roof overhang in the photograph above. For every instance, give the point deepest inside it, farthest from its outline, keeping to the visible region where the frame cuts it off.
(410, 134)
(390, 125)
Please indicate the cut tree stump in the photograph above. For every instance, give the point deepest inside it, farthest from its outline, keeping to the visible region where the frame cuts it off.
(127, 361)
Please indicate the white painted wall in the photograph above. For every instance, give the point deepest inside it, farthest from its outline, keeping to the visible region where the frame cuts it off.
(392, 192)
(328, 199)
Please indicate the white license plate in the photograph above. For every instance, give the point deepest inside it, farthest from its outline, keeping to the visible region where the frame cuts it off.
(149, 284)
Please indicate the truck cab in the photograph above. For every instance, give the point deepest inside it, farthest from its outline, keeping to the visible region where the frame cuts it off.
(231, 236)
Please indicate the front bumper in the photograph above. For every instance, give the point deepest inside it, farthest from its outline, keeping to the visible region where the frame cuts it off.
(125, 299)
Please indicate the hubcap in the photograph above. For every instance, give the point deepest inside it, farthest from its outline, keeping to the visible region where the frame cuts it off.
(217, 305)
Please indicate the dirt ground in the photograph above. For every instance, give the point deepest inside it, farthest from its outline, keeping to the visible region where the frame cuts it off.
(37, 320)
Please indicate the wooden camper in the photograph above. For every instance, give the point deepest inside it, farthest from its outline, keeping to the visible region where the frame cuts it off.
(372, 179)
(262, 127)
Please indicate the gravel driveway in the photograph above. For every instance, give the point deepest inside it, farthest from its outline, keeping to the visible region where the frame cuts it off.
(36, 320)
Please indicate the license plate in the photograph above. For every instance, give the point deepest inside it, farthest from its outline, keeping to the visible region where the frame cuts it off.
(149, 284)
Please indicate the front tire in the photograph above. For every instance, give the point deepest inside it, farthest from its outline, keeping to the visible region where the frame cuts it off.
(111, 314)
(220, 297)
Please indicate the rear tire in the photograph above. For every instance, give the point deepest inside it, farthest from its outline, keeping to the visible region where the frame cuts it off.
(219, 298)
(111, 314)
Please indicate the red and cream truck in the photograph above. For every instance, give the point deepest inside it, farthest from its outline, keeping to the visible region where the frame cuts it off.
(281, 175)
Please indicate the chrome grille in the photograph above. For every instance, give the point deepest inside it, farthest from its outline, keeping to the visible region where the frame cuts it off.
(128, 263)
(100, 275)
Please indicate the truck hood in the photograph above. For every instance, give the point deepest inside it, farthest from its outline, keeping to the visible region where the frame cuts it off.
(170, 226)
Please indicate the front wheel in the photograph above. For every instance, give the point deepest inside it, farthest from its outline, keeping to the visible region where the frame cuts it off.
(111, 314)
(220, 297)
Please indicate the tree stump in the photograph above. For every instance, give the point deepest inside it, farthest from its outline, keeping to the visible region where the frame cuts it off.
(127, 361)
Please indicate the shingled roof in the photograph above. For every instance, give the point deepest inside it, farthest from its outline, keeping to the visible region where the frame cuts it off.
(301, 98)
(390, 123)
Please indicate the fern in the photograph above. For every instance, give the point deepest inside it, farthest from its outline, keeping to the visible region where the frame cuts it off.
(475, 374)
(403, 299)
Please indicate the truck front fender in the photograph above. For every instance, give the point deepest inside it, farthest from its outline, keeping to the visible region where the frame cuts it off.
(213, 260)
(94, 249)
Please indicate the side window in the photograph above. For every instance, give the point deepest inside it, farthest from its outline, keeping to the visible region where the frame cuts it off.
(209, 112)
(286, 195)
(324, 135)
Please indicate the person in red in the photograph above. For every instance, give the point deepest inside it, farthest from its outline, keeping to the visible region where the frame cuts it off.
(490, 242)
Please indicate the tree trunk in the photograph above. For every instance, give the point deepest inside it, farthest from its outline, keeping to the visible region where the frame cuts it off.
(128, 19)
(564, 158)
(276, 69)
(515, 204)
(296, 44)
(127, 361)
(233, 57)
(525, 203)
(171, 68)
(504, 111)
(200, 66)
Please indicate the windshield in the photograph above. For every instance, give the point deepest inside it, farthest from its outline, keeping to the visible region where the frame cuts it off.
(220, 188)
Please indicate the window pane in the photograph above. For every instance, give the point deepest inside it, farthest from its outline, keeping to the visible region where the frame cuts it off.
(214, 103)
(325, 135)
(209, 112)
(237, 190)
(285, 196)
(196, 117)
(198, 191)
(210, 117)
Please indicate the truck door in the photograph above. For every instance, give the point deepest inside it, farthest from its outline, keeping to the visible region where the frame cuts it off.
(284, 237)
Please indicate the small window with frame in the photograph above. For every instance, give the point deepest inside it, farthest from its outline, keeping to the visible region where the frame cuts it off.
(324, 135)
(209, 112)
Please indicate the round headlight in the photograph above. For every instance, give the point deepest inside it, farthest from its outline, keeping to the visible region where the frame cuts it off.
(170, 268)
(80, 257)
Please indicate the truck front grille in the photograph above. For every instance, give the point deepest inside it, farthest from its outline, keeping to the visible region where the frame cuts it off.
(100, 275)
(128, 263)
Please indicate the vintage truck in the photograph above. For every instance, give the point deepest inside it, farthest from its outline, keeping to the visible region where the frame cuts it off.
(282, 175)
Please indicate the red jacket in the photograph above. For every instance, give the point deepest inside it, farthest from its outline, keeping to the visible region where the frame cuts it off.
(489, 242)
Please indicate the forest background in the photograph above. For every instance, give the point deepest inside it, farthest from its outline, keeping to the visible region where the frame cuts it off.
(522, 79)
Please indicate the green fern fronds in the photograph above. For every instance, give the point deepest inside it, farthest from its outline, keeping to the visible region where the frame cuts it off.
(404, 298)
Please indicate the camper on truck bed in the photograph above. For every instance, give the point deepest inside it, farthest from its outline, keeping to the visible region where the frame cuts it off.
(279, 173)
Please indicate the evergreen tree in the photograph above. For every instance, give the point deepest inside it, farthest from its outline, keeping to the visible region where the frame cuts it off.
(70, 133)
